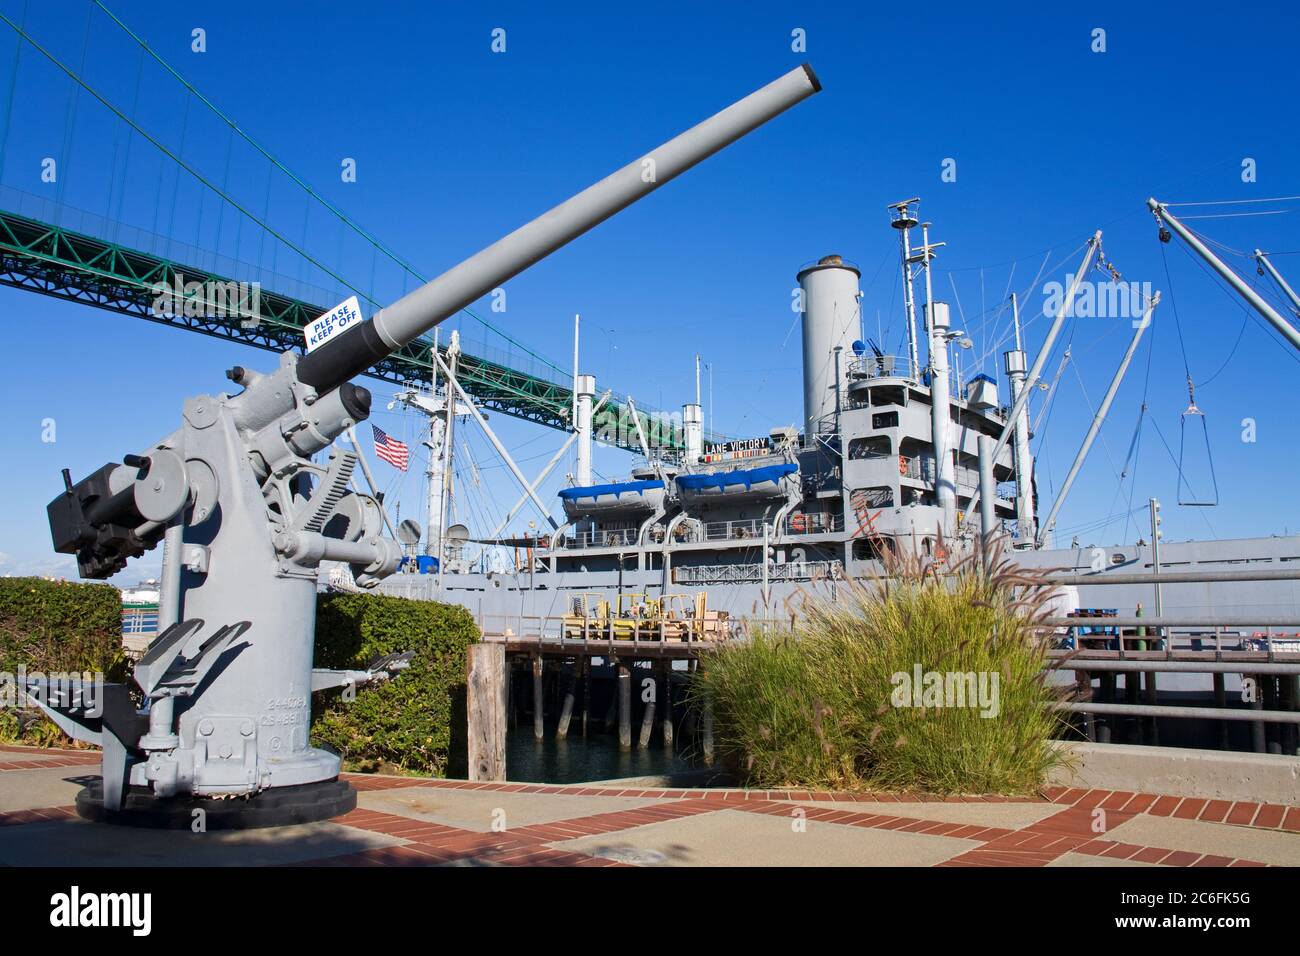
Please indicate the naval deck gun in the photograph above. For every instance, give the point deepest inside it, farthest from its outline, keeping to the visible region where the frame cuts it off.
(247, 514)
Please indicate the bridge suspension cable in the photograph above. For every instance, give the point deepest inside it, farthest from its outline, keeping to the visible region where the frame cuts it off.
(343, 217)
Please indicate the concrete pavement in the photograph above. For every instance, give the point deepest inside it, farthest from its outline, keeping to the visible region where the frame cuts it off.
(407, 821)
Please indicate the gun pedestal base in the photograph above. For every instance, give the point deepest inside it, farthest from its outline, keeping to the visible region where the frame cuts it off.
(274, 807)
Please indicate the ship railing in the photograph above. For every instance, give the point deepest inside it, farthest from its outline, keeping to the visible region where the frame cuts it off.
(140, 620)
(870, 366)
(813, 523)
(742, 529)
(751, 529)
(753, 573)
(613, 538)
(1253, 643)
(917, 467)
(139, 628)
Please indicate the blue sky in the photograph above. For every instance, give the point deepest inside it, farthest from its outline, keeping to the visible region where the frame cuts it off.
(455, 145)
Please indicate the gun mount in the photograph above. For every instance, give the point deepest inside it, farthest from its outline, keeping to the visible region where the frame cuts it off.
(246, 515)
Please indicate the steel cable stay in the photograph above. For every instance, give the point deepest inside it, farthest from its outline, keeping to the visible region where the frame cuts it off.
(1098, 524)
(1192, 417)
(1136, 444)
(377, 245)
(1218, 281)
(1044, 418)
(1133, 446)
(222, 193)
(1092, 411)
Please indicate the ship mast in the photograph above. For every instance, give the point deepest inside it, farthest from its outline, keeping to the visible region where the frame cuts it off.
(904, 221)
(937, 337)
(1024, 459)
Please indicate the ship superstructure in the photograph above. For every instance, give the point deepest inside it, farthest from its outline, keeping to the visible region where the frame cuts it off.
(892, 454)
(895, 452)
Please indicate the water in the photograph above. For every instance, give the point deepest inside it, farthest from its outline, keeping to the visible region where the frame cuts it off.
(578, 760)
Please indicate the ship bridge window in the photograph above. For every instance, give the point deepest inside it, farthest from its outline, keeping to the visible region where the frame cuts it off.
(889, 395)
(884, 420)
(877, 446)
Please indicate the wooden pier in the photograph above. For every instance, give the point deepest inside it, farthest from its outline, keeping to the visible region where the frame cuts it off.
(591, 679)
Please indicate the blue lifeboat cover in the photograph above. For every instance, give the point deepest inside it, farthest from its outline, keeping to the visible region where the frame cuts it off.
(424, 563)
(736, 476)
(617, 489)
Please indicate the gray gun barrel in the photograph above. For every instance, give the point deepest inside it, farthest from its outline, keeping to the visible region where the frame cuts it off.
(415, 313)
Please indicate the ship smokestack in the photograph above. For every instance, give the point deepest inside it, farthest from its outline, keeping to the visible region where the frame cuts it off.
(830, 308)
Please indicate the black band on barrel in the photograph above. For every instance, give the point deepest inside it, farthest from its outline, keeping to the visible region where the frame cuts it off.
(343, 358)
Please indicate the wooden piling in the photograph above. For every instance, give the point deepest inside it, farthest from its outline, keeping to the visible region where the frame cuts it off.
(539, 703)
(1291, 687)
(586, 692)
(1153, 728)
(1273, 736)
(511, 711)
(648, 715)
(1132, 690)
(1107, 695)
(1258, 743)
(611, 712)
(566, 711)
(1221, 701)
(668, 708)
(624, 708)
(1083, 692)
(485, 682)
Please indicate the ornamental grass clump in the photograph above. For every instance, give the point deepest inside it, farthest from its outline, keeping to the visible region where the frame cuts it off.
(931, 677)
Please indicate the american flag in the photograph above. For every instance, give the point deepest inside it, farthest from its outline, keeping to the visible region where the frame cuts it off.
(390, 449)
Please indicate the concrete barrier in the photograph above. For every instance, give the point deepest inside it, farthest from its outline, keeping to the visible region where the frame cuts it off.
(1210, 774)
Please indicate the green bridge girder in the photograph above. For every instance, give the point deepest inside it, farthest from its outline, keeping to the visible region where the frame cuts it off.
(53, 261)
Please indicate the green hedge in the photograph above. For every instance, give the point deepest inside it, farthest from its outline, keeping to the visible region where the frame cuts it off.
(57, 626)
(414, 723)
(61, 626)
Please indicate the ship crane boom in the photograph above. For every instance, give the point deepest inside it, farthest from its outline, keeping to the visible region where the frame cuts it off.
(1270, 314)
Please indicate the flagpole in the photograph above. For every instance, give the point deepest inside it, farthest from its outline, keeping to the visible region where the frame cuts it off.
(370, 480)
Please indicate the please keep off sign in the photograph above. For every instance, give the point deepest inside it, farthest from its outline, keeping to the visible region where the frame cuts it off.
(338, 319)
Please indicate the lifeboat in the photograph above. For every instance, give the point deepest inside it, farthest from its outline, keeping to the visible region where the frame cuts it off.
(617, 499)
(737, 484)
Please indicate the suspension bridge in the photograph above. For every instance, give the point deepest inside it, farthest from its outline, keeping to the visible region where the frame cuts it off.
(91, 265)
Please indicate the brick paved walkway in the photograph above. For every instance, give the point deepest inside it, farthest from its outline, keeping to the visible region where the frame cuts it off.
(402, 821)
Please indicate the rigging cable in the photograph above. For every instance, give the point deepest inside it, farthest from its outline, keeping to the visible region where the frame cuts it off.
(1192, 410)
(342, 216)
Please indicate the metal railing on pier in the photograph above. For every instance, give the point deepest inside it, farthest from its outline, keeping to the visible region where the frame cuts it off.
(1218, 645)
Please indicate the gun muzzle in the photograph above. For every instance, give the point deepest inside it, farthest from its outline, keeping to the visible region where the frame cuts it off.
(415, 313)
